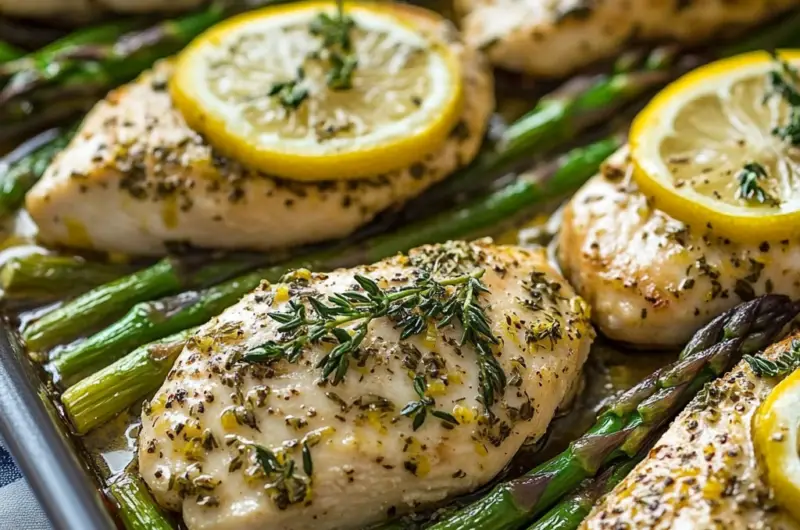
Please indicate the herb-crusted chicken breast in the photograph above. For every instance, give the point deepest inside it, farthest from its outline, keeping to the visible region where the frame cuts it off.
(238, 444)
(136, 178)
(555, 38)
(703, 473)
(652, 280)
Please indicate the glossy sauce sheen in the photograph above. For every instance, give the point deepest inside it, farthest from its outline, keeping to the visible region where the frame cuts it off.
(369, 463)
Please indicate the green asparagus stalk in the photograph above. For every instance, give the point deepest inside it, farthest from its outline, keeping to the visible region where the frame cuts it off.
(21, 119)
(42, 58)
(101, 396)
(152, 320)
(624, 426)
(109, 301)
(137, 509)
(103, 66)
(148, 321)
(550, 181)
(44, 277)
(570, 512)
(8, 53)
(20, 176)
(586, 102)
(106, 65)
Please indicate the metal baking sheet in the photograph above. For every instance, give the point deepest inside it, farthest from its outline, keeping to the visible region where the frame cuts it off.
(38, 440)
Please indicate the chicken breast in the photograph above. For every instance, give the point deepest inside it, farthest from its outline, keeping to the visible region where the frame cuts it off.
(703, 473)
(83, 10)
(651, 280)
(136, 179)
(369, 462)
(555, 38)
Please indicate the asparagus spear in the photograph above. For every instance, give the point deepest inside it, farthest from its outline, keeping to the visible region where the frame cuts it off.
(44, 277)
(556, 179)
(20, 176)
(148, 321)
(152, 320)
(570, 512)
(104, 394)
(137, 509)
(108, 301)
(623, 427)
(8, 53)
(40, 59)
(107, 65)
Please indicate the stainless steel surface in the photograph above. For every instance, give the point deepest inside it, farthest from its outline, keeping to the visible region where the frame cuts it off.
(44, 453)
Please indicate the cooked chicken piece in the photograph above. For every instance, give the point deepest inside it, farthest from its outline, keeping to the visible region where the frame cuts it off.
(81, 10)
(651, 280)
(555, 38)
(368, 461)
(136, 179)
(703, 473)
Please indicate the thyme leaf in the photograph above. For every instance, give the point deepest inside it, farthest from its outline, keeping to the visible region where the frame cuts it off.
(292, 93)
(787, 362)
(783, 82)
(412, 308)
(418, 410)
(749, 187)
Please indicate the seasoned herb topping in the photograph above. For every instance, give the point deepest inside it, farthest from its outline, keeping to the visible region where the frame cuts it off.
(652, 280)
(414, 309)
(328, 397)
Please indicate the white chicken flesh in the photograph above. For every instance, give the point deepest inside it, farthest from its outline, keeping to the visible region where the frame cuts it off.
(136, 179)
(703, 473)
(651, 280)
(556, 38)
(364, 459)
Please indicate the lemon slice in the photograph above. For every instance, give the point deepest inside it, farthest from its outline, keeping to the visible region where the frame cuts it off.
(405, 95)
(709, 152)
(775, 430)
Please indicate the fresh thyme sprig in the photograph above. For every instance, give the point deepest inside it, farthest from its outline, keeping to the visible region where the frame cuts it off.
(749, 187)
(412, 308)
(783, 82)
(335, 32)
(418, 410)
(337, 43)
(784, 364)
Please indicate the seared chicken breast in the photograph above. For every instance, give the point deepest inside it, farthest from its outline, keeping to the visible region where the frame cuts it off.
(703, 473)
(82, 10)
(555, 38)
(368, 460)
(136, 179)
(651, 280)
